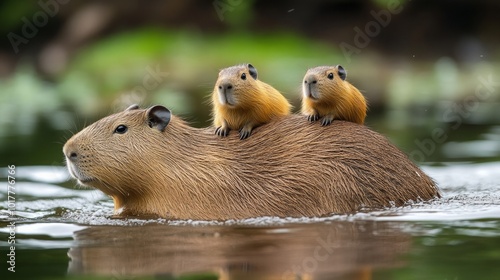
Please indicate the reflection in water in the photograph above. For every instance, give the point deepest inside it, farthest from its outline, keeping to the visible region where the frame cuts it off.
(350, 250)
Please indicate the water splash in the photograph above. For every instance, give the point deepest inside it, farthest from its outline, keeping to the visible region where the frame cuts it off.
(470, 192)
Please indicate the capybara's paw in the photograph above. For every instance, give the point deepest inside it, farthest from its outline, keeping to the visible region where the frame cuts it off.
(244, 133)
(313, 118)
(327, 120)
(222, 131)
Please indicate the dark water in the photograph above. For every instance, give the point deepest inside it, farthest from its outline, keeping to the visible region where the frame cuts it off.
(66, 232)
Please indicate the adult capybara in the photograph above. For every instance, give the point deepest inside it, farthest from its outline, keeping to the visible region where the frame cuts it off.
(153, 163)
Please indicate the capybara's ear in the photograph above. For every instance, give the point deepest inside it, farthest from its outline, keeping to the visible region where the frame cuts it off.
(252, 70)
(132, 107)
(342, 73)
(158, 117)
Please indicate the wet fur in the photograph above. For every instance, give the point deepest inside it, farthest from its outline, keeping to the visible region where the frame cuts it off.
(293, 168)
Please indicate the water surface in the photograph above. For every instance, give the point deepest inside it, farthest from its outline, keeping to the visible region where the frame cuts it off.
(64, 231)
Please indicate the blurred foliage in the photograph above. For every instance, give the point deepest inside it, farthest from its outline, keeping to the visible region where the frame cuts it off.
(193, 59)
(33, 97)
(11, 13)
(385, 3)
(117, 71)
(239, 17)
(106, 73)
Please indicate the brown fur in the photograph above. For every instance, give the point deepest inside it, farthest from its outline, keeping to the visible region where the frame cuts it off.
(331, 99)
(254, 102)
(292, 169)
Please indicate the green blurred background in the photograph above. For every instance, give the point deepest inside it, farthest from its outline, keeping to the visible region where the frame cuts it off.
(426, 67)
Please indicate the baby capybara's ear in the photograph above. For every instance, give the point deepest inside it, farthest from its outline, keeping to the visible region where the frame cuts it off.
(158, 117)
(252, 70)
(342, 73)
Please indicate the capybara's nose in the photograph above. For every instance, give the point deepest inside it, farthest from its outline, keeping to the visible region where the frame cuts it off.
(226, 86)
(310, 80)
(70, 154)
(73, 156)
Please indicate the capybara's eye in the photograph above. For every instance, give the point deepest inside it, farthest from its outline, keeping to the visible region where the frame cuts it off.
(121, 129)
(244, 76)
(330, 76)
